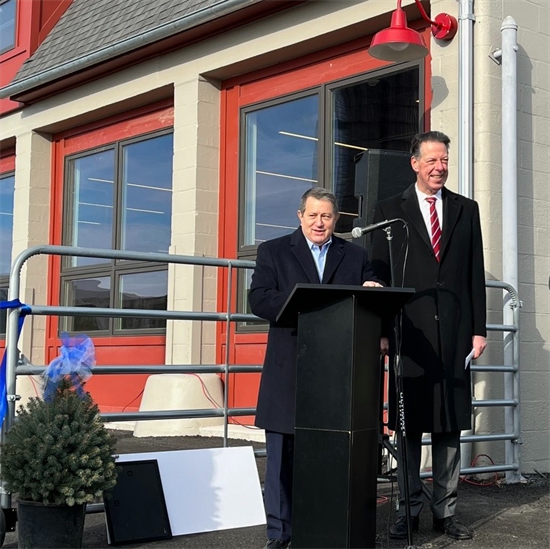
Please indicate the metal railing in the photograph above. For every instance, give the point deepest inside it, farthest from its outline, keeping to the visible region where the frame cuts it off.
(14, 367)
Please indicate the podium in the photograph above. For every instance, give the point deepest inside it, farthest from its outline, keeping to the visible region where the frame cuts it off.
(337, 411)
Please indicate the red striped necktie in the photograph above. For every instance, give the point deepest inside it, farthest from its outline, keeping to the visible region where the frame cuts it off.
(435, 227)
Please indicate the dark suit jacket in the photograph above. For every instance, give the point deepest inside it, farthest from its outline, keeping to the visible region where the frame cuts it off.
(281, 264)
(448, 309)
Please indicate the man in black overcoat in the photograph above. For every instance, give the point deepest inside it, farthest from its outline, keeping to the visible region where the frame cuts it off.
(441, 324)
(311, 254)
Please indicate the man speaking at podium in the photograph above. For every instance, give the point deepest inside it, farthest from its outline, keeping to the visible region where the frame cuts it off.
(311, 254)
(442, 259)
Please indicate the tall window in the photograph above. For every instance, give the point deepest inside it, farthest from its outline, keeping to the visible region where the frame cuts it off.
(314, 138)
(118, 197)
(7, 183)
(7, 24)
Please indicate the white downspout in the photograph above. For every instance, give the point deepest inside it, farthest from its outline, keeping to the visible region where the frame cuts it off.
(510, 275)
(465, 98)
(465, 135)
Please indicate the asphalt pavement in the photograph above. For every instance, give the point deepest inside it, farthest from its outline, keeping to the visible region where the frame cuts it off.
(503, 516)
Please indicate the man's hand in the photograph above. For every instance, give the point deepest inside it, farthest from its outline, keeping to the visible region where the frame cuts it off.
(384, 346)
(372, 284)
(478, 344)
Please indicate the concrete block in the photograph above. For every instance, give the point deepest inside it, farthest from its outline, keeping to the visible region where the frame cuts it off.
(235, 432)
(179, 392)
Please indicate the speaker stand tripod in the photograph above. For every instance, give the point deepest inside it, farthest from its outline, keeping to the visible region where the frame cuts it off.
(398, 371)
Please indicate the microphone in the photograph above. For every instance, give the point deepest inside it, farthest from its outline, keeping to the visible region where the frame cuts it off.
(360, 231)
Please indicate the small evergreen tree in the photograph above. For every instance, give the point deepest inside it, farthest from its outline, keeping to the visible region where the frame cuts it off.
(59, 451)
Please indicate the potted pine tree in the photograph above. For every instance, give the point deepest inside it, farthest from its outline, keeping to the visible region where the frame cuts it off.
(57, 457)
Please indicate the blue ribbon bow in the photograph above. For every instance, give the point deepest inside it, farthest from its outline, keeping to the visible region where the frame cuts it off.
(76, 360)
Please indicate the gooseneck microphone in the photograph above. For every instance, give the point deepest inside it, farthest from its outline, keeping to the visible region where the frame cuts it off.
(360, 231)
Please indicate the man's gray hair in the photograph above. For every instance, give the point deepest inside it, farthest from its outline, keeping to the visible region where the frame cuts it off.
(420, 138)
(319, 193)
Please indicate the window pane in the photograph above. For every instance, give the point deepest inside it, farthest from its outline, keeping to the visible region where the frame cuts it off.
(147, 195)
(88, 292)
(379, 113)
(91, 202)
(7, 25)
(143, 291)
(281, 163)
(6, 223)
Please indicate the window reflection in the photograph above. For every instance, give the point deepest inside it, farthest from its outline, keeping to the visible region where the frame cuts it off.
(147, 195)
(143, 291)
(92, 204)
(88, 292)
(281, 159)
(119, 197)
(7, 25)
(379, 113)
(7, 185)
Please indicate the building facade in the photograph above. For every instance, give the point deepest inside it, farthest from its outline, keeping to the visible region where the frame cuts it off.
(193, 127)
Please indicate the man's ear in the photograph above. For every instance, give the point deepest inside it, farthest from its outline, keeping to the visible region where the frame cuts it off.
(414, 164)
(299, 215)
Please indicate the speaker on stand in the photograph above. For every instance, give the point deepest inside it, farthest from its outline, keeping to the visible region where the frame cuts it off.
(379, 174)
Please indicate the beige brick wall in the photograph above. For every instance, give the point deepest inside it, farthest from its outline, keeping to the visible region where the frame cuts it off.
(533, 65)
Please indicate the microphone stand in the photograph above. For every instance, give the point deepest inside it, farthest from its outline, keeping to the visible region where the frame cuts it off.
(398, 369)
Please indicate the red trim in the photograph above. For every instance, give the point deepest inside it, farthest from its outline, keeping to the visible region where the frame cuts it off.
(51, 16)
(120, 126)
(27, 21)
(7, 161)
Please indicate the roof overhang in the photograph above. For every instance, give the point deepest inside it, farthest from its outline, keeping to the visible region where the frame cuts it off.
(61, 79)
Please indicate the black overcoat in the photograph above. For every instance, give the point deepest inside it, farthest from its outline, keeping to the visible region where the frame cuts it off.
(448, 309)
(281, 264)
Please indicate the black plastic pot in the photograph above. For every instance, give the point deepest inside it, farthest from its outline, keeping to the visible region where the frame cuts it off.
(41, 526)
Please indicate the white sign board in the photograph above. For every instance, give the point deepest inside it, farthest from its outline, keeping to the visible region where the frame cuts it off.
(210, 489)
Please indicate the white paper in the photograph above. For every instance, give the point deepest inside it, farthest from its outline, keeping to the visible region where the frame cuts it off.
(208, 489)
(469, 358)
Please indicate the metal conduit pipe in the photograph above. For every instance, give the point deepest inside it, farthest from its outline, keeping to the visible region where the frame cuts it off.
(507, 58)
(465, 97)
(510, 227)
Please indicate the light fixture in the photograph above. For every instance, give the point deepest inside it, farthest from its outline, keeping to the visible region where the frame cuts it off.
(400, 43)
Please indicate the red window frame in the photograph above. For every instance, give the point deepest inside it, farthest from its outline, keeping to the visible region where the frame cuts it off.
(112, 392)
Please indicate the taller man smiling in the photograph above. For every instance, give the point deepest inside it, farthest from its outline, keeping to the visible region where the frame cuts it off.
(441, 324)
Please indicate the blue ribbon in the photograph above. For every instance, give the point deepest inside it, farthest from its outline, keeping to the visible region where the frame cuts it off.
(25, 310)
(76, 360)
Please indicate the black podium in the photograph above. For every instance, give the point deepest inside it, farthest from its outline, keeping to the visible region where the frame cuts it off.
(337, 411)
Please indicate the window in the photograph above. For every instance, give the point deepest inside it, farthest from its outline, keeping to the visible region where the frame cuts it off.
(118, 197)
(313, 138)
(7, 25)
(7, 184)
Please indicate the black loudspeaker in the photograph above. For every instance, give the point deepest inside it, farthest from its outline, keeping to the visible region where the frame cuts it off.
(135, 508)
(379, 174)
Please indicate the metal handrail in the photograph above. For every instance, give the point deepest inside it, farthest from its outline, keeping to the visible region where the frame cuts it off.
(16, 367)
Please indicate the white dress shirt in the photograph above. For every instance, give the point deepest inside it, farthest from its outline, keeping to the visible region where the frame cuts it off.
(425, 208)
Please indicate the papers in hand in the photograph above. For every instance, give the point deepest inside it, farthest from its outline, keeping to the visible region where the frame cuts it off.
(469, 358)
